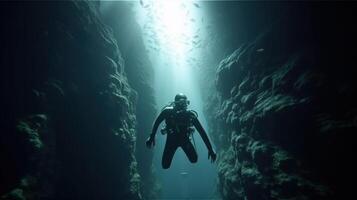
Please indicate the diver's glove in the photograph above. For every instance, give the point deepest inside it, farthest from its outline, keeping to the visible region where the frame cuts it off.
(150, 141)
(212, 155)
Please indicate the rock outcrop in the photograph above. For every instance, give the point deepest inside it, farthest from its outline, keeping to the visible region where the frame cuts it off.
(285, 115)
(68, 113)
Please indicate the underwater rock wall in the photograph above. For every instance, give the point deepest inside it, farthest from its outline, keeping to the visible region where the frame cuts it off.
(68, 115)
(284, 117)
(121, 18)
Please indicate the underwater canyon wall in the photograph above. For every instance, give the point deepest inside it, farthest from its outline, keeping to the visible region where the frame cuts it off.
(284, 116)
(120, 16)
(68, 112)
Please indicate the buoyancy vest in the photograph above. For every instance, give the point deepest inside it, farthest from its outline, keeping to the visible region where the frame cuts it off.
(179, 122)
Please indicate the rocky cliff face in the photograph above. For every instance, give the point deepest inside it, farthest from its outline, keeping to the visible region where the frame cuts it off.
(121, 18)
(284, 115)
(68, 115)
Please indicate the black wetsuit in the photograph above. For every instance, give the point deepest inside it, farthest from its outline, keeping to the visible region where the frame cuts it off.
(179, 126)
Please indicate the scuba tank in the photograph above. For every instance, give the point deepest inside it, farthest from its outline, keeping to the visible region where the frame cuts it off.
(170, 104)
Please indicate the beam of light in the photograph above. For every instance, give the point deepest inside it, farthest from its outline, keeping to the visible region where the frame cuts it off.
(172, 27)
(170, 32)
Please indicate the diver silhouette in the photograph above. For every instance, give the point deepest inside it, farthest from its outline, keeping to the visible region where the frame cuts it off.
(179, 128)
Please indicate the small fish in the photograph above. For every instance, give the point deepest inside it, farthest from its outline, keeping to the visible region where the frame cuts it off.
(196, 5)
(260, 50)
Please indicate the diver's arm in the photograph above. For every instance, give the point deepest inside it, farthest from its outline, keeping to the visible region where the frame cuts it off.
(203, 134)
(151, 140)
(157, 122)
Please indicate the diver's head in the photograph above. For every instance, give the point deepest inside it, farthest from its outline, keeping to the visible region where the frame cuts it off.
(181, 101)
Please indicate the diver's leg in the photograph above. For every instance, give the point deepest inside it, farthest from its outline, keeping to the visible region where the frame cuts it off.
(190, 151)
(169, 151)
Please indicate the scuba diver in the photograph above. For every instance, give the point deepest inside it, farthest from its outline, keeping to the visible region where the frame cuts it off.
(179, 129)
